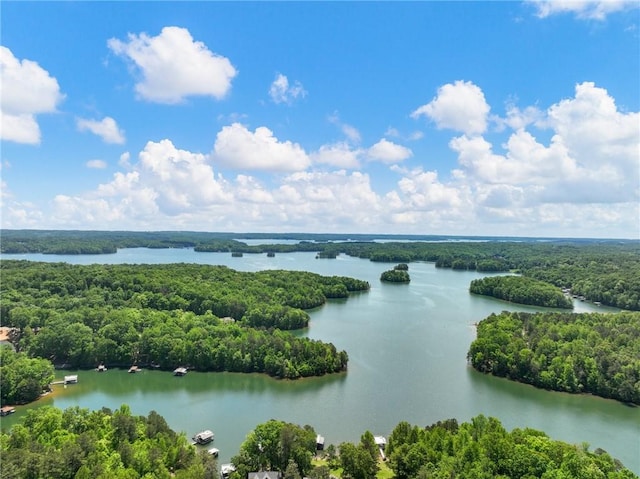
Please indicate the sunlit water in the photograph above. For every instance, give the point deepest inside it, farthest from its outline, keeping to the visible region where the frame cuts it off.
(407, 348)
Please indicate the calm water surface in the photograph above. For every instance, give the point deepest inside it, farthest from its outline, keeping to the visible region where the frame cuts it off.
(407, 348)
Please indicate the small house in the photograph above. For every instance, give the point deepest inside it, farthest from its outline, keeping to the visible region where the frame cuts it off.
(71, 379)
(180, 371)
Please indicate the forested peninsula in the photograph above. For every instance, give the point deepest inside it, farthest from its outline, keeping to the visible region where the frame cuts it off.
(82, 444)
(207, 318)
(602, 271)
(522, 290)
(592, 353)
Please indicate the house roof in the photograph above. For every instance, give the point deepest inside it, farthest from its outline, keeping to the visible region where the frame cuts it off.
(264, 475)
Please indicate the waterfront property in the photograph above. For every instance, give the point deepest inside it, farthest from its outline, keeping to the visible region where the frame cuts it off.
(180, 371)
(71, 379)
(204, 437)
(319, 442)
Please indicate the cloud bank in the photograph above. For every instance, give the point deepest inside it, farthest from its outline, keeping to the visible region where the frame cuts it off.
(583, 177)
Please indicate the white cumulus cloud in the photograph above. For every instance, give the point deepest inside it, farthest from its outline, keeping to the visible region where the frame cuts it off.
(459, 106)
(387, 151)
(173, 66)
(281, 91)
(27, 90)
(107, 129)
(591, 158)
(239, 148)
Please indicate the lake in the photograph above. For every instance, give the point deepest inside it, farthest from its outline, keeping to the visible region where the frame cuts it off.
(407, 348)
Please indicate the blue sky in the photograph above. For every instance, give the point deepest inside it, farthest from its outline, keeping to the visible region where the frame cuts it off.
(475, 118)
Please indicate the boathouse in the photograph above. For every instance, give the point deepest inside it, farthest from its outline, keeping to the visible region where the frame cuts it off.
(380, 441)
(6, 410)
(71, 379)
(226, 470)
(319, 442)
(180, 371)
(204, 437)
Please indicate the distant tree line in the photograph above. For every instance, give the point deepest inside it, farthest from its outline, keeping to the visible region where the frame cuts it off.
(523, 290)
(593, 353)
(210, 318)
(600, 270)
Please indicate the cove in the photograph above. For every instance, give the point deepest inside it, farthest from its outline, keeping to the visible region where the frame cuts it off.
(407, 348)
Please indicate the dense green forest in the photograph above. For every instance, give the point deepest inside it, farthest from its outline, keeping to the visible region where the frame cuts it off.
(272, 446)
(22, 379)
(399, 274)
(209, 318)
(523, 290)
(579, 353)
(600, 270)
(82, 444)
(483, 449)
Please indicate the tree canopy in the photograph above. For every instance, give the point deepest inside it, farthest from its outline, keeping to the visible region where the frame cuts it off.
(82, 444)
(600, 270)
(523, 290)
(209, 318)
(22, 379)
(276, 445)
(483, 449)
(597, 353)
